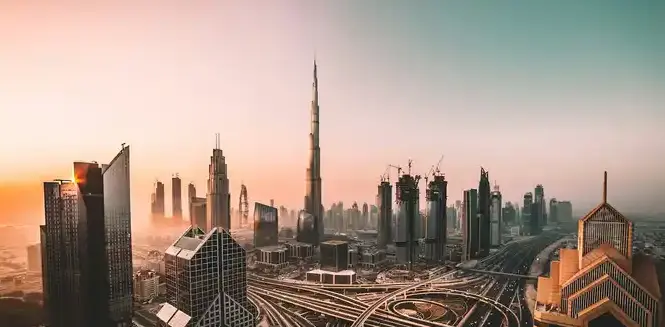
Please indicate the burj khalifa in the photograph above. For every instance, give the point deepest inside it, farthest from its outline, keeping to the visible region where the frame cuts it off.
(310, 227)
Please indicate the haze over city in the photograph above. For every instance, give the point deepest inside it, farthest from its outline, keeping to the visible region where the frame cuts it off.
(536, 93)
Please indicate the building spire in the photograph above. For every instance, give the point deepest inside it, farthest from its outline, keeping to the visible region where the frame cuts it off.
(605, 188)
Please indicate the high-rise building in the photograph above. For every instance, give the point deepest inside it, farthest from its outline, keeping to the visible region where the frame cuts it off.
(529, 220)
(219, 199)
(355, 217)
(484, 225)
(266, 225)
(496, 213)
(118, 228)
(158, 204)
(470, 240)
(176, 197)
(385, 203)
(198, 212)
(206, 282)
(334, 255)
(313, 194)
(191, 194)
(540, 212)
(601, 283)
(408, 223)
(509, 215)
(553, 216)
(436, 223)
(86, 239)
(564, 211)
(365, 216)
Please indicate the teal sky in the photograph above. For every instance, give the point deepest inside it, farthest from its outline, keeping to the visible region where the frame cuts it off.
(550, 92)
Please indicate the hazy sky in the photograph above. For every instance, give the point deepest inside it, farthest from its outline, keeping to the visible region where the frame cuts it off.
(550, 92)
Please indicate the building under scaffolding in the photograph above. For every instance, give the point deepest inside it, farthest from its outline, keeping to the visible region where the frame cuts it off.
(435, 223)
(407, 229)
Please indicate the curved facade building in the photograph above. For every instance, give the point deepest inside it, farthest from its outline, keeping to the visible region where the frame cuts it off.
(601, 283)
(307, 231)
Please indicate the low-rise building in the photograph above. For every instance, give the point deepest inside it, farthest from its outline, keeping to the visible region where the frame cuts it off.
(146, 285)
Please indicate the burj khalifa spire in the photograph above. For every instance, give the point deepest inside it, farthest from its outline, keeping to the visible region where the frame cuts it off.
(313, 179)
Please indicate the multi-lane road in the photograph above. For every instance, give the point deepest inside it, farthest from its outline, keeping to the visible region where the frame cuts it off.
(487, 299)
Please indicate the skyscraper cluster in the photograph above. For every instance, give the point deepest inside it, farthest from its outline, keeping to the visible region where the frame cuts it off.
(87, 259)
(481, 226)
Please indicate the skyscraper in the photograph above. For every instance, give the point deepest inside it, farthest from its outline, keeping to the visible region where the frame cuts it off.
(118, 240)
(565, 211)
(484, 213)
(408, 222)
(554, 212)
(365, 216)
(601, 283)
(157, 205)
(496, 213)
(313, 180)
(529, 221)
(436, 223)
(191, 194)
(385, 203)
(266, 222)
(540, 212)
(219, 199)
(87, 261)
(176, 197)
(206, 282)
(470, 240)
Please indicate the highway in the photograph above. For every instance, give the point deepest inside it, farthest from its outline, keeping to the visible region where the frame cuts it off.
(496, 302)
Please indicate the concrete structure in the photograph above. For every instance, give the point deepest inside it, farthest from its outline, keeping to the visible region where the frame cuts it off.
(191, 194)
(530, 223)
(300, 251)
(496, 213)
(373, 258)
(206, 282)
(146, 285)
(384, 200)
(601, 283)
(273, 256)
(34, 258)
(176, 197)
(540, 210)
(436, 223)
(87, 254)
(484, 225)
(470, 241)
(345, 277)
(306, 228)
(408, 222)
(553, 215)
(198, 212)
(313, 181)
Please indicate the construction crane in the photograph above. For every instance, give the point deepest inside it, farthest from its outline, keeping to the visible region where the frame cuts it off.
(386, 174)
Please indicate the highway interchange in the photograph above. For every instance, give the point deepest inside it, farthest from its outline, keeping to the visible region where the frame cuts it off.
(454, 298)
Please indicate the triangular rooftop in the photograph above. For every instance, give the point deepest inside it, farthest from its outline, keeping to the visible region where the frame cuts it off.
(605, 211)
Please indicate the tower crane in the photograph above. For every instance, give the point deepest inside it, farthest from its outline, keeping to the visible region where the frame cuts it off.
(386, 174)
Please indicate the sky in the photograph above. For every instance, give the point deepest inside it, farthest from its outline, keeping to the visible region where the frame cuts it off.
(536, 92)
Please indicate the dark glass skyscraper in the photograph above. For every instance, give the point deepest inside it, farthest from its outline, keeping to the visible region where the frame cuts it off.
(118, 238)
(385, 203)
(436, 222)
(87, 260)
(484, 213)
(407, 231)
(266, 222)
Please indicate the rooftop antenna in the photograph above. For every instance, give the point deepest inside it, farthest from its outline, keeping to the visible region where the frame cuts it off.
(217, 141)
(605, 187)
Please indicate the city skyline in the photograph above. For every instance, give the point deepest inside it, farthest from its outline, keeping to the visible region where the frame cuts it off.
(554, 115)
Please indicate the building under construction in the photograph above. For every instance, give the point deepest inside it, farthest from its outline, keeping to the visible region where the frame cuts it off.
(384, 200)
(435, 223)
(407, 225)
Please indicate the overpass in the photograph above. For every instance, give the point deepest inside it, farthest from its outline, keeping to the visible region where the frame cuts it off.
(498, 273)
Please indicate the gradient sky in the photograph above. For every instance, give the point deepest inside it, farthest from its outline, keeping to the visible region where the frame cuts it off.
(550, 92)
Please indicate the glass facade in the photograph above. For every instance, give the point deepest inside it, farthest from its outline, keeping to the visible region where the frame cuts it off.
(118, 237)
(206, 282)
